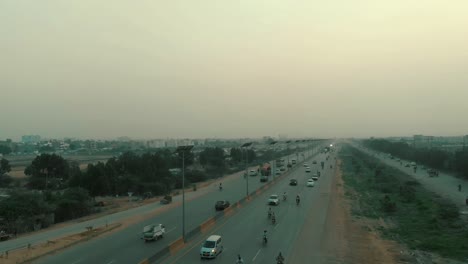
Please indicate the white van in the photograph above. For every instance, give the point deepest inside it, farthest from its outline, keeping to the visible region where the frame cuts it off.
(211, 247)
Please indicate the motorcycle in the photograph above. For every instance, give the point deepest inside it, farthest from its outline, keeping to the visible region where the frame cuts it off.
(284, 197)
(265, 240)
(269, 214)
(273, 220)
(298, 201)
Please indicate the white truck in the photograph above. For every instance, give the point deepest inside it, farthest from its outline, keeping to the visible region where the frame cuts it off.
(153, 232)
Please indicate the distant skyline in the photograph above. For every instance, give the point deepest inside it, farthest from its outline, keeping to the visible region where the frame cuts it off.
(233, 69)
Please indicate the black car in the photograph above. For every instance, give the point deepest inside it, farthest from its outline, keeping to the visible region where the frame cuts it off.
(293, 182)
(264, 179)
(221, 205)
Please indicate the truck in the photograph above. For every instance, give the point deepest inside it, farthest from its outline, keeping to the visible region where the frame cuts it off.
(153, 232)
(266, 169)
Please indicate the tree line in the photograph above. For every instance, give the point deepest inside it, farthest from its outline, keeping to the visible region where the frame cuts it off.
(435, 158)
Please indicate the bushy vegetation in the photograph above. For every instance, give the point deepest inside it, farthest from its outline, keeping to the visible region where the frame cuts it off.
(434, 158)
(421, 219)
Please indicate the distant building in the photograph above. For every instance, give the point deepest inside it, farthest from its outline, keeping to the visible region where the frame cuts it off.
(30, 138)
(155, 143)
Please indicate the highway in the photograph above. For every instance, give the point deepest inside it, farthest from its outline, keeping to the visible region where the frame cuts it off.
(126, 246)
(298, 232)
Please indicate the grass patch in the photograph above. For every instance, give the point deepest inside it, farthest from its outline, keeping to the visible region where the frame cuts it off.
(421, 219)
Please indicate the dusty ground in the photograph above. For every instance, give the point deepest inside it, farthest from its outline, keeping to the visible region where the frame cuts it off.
(26, 255)
(352, 240)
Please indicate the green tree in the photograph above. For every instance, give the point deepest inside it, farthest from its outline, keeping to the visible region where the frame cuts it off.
(5, 150)
(23, 208)
(47, 171)
(4, 166)
(73, 203)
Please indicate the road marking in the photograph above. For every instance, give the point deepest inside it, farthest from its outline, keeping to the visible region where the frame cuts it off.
(276, 226)
(78, 261)
(258, 252)
(171, 230)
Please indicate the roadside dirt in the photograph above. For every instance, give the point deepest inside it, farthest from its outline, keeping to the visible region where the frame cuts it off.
(27, 255)
(355, 240)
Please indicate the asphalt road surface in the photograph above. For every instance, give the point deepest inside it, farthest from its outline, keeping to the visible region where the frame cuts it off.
(126, 246)
(297, 234)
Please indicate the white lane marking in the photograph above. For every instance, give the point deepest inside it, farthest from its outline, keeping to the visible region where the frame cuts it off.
(258, 252)
(78, 261)
(276, 226)
(172, 229)
(112, 261)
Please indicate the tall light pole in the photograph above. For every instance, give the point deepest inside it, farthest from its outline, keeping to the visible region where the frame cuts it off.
(183, 149)
(273, 172)
(244, 146)
(287, 147)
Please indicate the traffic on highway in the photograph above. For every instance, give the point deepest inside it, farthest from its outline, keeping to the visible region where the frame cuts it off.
(127, 246)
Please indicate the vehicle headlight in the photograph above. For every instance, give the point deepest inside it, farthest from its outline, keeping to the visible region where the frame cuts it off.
(213, 251)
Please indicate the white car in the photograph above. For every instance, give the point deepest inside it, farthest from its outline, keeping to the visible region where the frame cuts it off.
(305, 164)
(310, 183)
(273, 200)
(308, 169)
(315, 178)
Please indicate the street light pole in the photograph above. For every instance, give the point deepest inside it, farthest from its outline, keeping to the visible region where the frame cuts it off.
(183, 149)
(183, 196)
(246, 167)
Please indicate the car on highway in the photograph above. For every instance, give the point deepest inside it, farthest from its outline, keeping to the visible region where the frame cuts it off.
(221, 205)
(283, 168)
(310, 183)
(305, 164)
(314, 162)
(278, 171)
(307, 169)
(212, 247)
(293, 182)
(273, 200)
(264, 178)
(315, 178)
(153, 232)
(253, 173)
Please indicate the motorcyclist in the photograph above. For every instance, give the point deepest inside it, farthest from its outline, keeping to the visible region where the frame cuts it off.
(265, 239)
(239, 259)
(220, 186)
(269, 212)
(280, 259)
(273, 218)
(298, 199)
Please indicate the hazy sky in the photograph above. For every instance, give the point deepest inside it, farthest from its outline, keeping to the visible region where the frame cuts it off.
(243, 68)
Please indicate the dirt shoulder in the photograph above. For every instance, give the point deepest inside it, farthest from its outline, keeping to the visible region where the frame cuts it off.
(354, 240)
